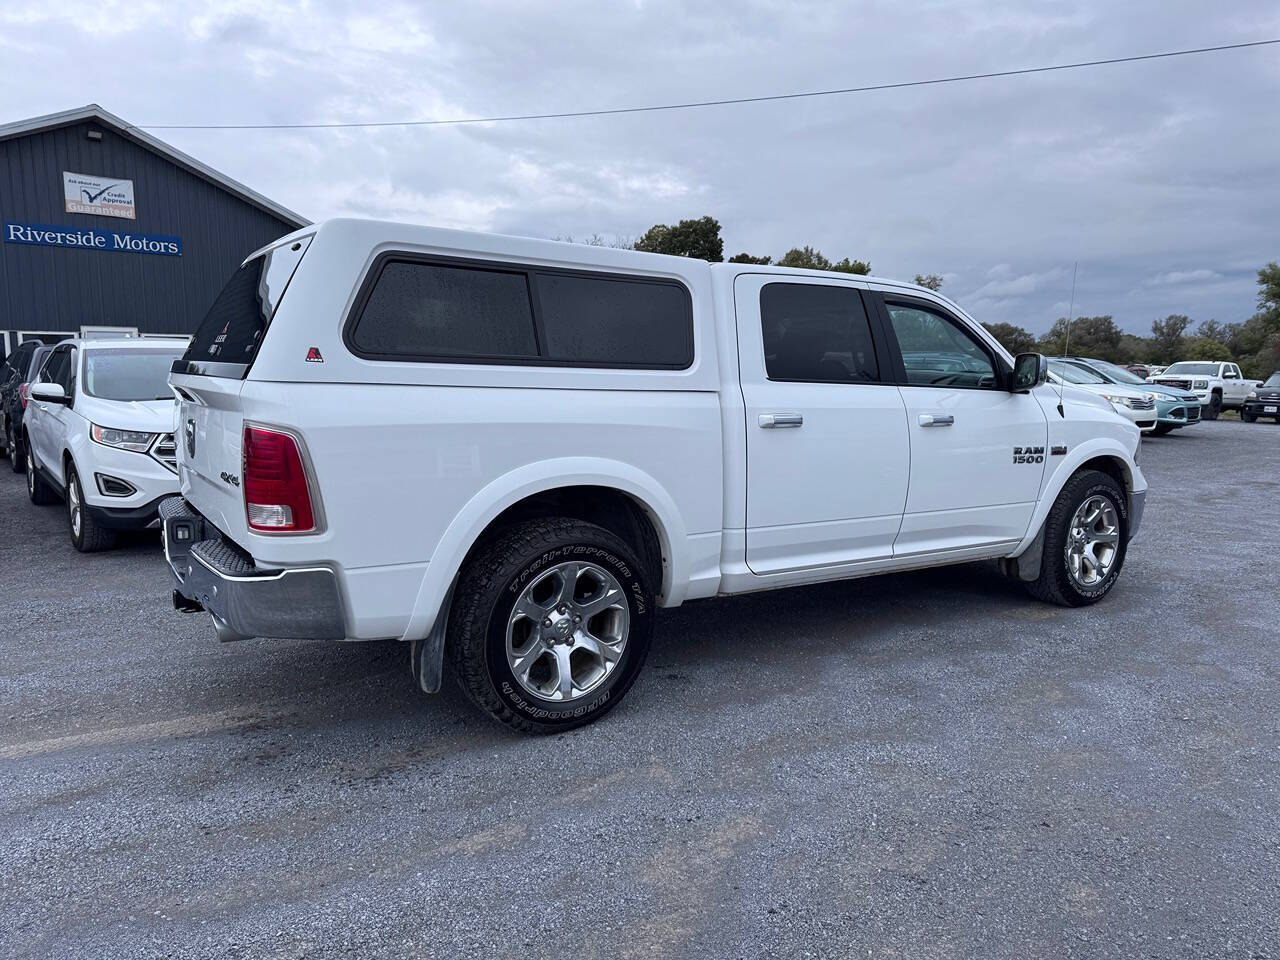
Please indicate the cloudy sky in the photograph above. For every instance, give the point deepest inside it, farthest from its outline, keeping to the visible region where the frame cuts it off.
(1161, 178)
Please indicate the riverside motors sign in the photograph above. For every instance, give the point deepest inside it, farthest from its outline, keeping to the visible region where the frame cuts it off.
(92, 238)
(100, 196)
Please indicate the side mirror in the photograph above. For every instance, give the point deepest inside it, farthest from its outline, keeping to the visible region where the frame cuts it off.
(1029, 371)
(49, 392)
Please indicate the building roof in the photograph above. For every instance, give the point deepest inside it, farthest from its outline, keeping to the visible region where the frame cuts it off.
(93, 112)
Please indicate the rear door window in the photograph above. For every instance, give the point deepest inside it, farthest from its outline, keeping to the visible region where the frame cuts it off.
(230, 334)
(816, 333)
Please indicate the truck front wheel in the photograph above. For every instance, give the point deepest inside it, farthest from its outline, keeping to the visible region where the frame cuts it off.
(1214, 407)
(1085, 538)
(550, 624)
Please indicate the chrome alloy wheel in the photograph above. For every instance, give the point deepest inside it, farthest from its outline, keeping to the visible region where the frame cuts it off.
(73, 504)
(1093, 541)
(568, 631)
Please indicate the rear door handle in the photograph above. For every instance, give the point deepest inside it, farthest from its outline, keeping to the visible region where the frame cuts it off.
(936, 419)
(772, 421)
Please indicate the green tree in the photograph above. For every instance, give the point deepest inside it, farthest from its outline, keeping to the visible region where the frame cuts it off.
(1212, 330)
(1202, 348)
(931, 281)
(1167, 338)
(1089, 337)
(805, 258)
(846, 265)
(1012, 337)
(699, 239)
(748, 258)
(1269, 292)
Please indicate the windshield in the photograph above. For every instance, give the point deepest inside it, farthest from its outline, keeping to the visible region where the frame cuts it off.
(1196, 369)
(1074, 374)
(1117, 374)
(1273, 380)
(129, 374)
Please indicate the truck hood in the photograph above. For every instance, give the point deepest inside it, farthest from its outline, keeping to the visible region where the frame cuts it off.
(149, 416)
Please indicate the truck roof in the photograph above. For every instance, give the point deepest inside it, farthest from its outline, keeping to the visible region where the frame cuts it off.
(448, 240)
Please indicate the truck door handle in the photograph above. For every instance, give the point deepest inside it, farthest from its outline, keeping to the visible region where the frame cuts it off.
(936, 419)
(772, 421)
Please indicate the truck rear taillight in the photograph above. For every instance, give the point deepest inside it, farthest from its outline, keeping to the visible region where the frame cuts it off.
(277, 495)
(24, 392)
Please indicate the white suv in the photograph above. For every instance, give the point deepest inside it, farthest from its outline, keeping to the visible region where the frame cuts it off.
(99, 426)
(509, 452)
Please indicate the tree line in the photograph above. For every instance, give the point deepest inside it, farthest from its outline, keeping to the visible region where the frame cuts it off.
(1253, 343)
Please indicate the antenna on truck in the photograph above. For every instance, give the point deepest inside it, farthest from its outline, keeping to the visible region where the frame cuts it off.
(1066, 348)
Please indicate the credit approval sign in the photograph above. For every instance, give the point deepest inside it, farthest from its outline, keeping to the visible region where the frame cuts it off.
(100, 196)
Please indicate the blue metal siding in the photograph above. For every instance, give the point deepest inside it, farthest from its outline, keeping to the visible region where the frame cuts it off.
(58, 288)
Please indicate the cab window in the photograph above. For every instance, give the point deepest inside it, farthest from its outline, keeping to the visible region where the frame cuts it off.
(937, 351)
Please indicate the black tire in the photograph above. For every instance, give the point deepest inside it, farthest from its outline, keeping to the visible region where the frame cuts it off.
(41, 494)
(1213, 409)
(17, 454)
(1055, 583)
(485, 598)
(1162, 429)
(1248, 416)
(90, 536)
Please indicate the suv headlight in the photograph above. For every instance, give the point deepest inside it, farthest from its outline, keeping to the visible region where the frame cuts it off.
(1253, 394)
(1200, 385)
(134, 440)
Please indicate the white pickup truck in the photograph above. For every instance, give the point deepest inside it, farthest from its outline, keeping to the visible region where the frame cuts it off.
(1218, 386)
(509, 452)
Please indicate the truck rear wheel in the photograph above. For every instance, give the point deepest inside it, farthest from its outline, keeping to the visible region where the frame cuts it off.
(1085, 540)
(550, 624)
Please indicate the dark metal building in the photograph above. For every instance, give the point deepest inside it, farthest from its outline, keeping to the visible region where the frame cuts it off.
(106, 226)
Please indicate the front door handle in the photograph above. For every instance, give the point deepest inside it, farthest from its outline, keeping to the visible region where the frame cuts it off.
(772, 421)
(936, 419)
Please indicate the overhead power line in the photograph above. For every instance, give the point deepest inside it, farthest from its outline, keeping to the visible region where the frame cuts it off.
(698, 104)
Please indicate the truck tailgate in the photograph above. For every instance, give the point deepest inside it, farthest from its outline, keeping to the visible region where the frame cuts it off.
(209, 440)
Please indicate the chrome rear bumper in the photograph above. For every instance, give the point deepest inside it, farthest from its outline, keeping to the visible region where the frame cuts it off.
(213, 574)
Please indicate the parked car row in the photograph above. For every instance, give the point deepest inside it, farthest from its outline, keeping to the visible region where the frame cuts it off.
(1218, 386)
(94, 429)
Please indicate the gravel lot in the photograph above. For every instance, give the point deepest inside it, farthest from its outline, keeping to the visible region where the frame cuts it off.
(923, 765)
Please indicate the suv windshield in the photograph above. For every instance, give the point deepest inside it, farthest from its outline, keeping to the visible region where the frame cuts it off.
(1273, 380)
(129, 374)
(1072, 373)
(1195, 369)
(228, 337)
(1116, 374)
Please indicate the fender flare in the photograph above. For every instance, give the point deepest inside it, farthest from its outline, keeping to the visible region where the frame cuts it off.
(516, 485)
(1063, 471)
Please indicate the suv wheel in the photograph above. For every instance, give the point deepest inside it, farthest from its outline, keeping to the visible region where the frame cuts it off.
(41, 493)
(1214, 408)
(550, 624)
(87, 535)
(1084, 542)
(1248, 416)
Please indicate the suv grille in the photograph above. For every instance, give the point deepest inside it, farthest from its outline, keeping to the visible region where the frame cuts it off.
(165, 451)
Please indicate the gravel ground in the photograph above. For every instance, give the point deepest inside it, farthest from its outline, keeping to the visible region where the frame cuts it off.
(924, 765)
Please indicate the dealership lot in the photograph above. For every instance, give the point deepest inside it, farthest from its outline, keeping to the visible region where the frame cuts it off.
(923, 765)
